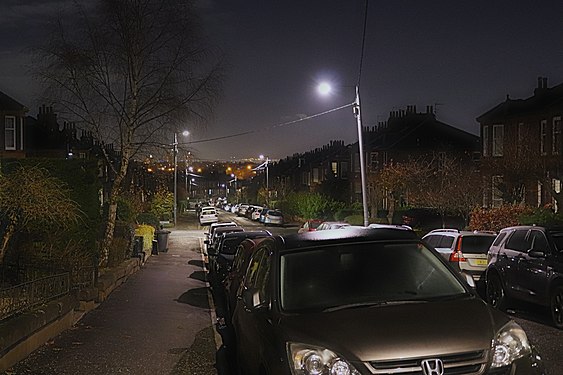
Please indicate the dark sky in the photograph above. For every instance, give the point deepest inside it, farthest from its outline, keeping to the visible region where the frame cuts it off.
(463, 57)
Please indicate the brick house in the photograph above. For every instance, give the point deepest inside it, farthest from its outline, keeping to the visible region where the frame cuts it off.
(12, 119)
(522, 148)
(409, 135)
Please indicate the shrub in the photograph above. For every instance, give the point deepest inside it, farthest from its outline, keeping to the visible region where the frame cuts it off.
(543, 217)
(348, 212)
(353, 219)
(497, 218)
(148, 218)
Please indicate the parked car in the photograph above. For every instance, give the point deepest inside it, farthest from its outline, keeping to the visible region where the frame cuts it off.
(208, 215)
(256, 213)
(273, 217)
(216, 225)
(326, 225)
(262, 217)
(214, 239)
(309, 226)
(242, 209)
(368, 301)
(226, 250)
(526, 263)
(237, 270)
(465, 250)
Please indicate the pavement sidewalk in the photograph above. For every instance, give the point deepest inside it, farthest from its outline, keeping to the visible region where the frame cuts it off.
(158, 322)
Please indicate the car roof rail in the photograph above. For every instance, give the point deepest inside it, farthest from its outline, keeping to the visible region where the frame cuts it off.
(444, 230)
(485, 231)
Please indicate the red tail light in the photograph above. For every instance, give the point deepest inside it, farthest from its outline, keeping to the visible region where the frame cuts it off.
(457, 255)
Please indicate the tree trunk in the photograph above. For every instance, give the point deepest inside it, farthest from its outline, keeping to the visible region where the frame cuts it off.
(112, 212)
(9, 232)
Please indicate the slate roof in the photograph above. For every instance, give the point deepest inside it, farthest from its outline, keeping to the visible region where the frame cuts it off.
(543, 98)
(7, 103)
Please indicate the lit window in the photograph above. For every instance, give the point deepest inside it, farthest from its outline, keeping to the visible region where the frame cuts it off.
(334, 168)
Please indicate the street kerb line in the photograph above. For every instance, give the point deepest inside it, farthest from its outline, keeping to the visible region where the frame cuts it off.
(218, 339)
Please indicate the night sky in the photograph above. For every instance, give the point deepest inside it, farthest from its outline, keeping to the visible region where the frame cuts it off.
(463, 57)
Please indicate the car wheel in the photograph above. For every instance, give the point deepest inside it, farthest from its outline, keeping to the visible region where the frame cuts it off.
(556, 307)
(496, 295)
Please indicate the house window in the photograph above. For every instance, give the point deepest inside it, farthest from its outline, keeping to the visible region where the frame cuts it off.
(543, 137)
(356, 162)
(316, 175)
(10, 133)
(556, 136)
(344, 169)
(498, 140)
(374, 161)
(521, 141)
(485, 141)
(334, 168)
(496, 199)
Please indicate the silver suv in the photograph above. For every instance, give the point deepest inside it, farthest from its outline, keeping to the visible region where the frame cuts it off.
(465, 250)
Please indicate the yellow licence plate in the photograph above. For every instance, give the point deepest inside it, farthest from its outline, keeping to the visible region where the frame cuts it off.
(481, 262)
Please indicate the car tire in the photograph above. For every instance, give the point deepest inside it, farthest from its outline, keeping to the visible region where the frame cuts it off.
(556, 306)
(496, 295)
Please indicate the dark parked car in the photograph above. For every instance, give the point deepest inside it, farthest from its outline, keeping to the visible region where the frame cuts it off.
(233, 279)
(226, 250)
(368, 301)
(526, 263)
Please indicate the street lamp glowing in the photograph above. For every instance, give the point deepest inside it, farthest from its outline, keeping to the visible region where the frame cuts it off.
(185, 133)
(324, 89)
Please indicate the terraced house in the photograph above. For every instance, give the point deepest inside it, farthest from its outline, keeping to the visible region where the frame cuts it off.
(522, 149)
(12, 120)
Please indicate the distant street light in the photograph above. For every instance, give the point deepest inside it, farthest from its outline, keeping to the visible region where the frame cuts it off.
(325, 89)
(185, 133)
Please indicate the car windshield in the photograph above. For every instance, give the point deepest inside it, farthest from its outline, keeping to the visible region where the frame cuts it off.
(476, 244)
(369, 273)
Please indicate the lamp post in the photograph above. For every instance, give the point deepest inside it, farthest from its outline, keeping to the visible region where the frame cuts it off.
(358, 114)
(265, 165)
(325, 89)
(185, 133)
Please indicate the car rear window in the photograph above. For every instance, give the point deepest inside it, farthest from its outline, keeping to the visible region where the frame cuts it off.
(446, 242)
(274, 213)
(476, 244)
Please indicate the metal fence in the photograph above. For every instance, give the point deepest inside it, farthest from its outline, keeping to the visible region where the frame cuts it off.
(25, 296)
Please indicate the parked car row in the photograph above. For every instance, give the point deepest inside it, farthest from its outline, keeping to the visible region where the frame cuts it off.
(345, 301)
(264, 215)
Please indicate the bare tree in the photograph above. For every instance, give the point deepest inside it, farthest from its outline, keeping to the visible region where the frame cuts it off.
(127, 70)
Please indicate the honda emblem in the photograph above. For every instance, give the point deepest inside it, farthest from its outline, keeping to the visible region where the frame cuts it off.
(432, 367)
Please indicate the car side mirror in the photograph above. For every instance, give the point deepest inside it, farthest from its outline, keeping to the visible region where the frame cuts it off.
(251, 300)
(536, 254)
(468, 279)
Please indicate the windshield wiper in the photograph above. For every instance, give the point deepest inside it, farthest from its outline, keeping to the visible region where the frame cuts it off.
(373, 304)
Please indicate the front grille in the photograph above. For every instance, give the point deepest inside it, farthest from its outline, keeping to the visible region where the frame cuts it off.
(471, 363)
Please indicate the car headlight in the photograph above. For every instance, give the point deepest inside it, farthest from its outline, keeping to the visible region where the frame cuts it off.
(510, 344)
(313, 360)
